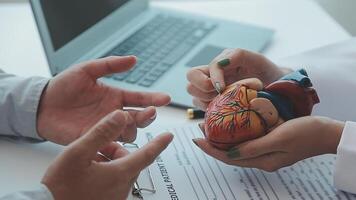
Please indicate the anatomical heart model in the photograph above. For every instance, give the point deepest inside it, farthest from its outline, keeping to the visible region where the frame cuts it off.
(240, 114)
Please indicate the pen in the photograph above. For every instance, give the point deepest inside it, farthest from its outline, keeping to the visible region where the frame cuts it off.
(195, 114)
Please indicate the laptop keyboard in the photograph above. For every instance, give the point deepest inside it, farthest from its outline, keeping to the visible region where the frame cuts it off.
(159, 45)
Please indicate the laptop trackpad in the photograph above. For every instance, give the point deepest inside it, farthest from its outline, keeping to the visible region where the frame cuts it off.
(205, 55)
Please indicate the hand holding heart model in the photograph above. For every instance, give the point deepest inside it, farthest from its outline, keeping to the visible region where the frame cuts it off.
(245, 111)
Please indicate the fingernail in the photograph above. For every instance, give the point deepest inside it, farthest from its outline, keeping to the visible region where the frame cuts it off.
(150, 120)
(224, 62)
(201, 126)
(233, 153)
(217, 86)
(195, 142)
(154, 116)
(130, 56)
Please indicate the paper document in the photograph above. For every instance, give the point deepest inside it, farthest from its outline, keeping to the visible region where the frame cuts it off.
(184, 172)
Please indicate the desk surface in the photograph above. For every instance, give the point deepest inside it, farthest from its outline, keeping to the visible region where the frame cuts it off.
(300, 25)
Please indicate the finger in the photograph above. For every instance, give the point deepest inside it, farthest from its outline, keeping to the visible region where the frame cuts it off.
(200, 104)
(232, 61)
(101, 158)
(103, 133)
(145, 117)
(143, 157)
(114, 150)
(252, 83)
(255, 148)
(196, 92)
(202, 128)
(111, 152)
(268, 162)
(130, 133)
(144, 99)
(133, 180)
(209, 149)
(199, 77)
(216, 70)
(109, 65)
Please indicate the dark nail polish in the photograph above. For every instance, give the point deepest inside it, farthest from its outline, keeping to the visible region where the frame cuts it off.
(201, 126)
(224, 62)
(195, 142)
(217, 87)
(233, 153)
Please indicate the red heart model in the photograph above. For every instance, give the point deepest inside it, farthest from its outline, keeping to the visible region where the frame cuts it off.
(229, 119)
(240, 114)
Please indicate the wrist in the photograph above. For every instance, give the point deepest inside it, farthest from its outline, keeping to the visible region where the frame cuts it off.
(332, 134)
(41, 123)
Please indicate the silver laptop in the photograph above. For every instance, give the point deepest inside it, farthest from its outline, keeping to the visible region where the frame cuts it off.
(167, 42)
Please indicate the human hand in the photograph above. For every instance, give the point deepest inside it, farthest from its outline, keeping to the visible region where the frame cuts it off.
(230, 66)
(287, 144)
(81, 173)
(75, 100)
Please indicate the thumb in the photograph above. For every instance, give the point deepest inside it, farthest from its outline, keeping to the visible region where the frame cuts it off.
(254, 148)
(103, 133)
(251, 83)
(143, 157)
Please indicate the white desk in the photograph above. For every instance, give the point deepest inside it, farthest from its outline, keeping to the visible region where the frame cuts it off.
(301, 25)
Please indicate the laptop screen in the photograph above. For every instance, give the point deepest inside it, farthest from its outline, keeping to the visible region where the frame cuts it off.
(67, 19)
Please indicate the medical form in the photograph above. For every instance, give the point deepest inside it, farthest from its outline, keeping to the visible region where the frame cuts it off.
(184, 172)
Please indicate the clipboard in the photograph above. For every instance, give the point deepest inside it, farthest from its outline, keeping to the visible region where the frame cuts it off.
(139, 191)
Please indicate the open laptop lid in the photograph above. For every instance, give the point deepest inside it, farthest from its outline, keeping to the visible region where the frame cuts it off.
(71, 28)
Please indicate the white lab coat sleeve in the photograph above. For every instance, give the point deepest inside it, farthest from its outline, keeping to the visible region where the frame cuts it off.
(332, 70)
(344, 172)
(42, 193)
(19, 100)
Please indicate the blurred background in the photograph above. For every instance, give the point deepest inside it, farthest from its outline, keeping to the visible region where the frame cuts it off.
(342, 10)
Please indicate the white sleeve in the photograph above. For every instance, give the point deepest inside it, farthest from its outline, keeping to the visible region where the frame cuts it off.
(344, 173)
(335, 88)
(19, 100)
(42, 193)
(332, 70)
